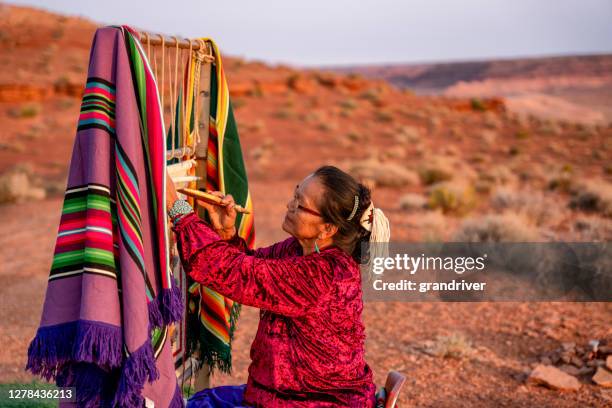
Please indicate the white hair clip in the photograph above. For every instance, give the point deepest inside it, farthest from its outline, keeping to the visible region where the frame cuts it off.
(355, 206)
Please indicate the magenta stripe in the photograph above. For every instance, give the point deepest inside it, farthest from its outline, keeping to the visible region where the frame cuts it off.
(97, 115)
(128, 183)
(99, 91)
(130, 232)
(131, 211)
(156, 140)
(81, 245)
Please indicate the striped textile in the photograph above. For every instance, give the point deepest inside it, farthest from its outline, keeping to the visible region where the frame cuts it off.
(110, 296)
(212, 323)
(85, 241)
(98, 106)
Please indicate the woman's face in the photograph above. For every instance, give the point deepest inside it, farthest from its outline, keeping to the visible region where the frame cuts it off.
(300, 221)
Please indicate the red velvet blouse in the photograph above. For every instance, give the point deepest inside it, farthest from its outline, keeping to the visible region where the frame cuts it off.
(309, 347)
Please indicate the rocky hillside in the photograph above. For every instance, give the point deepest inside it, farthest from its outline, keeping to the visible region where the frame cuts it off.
(572, 87)
(441, 167)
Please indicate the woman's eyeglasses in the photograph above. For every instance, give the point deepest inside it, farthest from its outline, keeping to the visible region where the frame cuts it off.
(294, 205)
(308, 210)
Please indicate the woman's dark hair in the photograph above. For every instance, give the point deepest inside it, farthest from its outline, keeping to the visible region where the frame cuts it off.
(336, 206)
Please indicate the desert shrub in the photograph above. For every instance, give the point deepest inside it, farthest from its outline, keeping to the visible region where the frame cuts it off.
(408, 134)
(534, 205)
(522, 134)
(412, 201)
(477, 105)
(593, 196)
(455, 198)
(561, 180)
(505, 227)
(16, 185)
(383, 116)
(285, 113)
(455, 345)
(238, 103)
(383, 174)
(435, 171)
(26, 111)
(349, 104)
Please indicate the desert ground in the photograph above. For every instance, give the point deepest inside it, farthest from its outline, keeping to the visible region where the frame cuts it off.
(441, 166)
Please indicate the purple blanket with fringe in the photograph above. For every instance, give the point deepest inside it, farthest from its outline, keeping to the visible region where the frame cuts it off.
(104, 325)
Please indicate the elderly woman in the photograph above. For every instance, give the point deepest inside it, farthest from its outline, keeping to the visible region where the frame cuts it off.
(309, 347)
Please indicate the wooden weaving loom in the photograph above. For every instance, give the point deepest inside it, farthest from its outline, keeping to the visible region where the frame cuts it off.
(180, 66)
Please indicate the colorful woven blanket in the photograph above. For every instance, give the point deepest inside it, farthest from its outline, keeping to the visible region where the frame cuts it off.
(211, 324)
(111, 295)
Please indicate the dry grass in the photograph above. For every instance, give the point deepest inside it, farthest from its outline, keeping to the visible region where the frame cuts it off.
(262, 153)
(285, 113)
(382, 174)
(16, 185)
(383, 116)
(394, 152)
(506, 227)
(26, 111)
(592, 196)
(534, 205)
(349, 104)
(433, 226)
(408, 134)
(452, 197)
(412, 202)
(592, 229)
(435, 171)
(455, 345)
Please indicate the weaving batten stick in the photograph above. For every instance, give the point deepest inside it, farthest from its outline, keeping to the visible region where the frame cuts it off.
(209, 198)
(184, 179)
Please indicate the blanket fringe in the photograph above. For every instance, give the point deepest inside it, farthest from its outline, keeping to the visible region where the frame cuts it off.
(91, 384)
(78, 341)
(177, 399)
(138, 368)
(172, 305)
(167, 308)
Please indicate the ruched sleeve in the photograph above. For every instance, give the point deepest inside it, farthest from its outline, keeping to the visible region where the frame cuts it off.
(289, 285)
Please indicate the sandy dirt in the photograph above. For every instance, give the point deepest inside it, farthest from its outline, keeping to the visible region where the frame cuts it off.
(290, 123)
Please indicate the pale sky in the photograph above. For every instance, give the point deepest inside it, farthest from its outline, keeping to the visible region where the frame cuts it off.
(340, 32)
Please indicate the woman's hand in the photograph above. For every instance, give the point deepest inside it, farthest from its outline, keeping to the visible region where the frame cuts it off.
(171, 195)
(222, 217)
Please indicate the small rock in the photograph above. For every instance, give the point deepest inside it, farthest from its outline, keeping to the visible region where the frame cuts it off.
(569, 346)
(577, 362)
(603, 377)
(595, 363)
(609, 362)
(545, 360)
(570, 369)
(586, 370)
(554, 378)
(566, 357)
